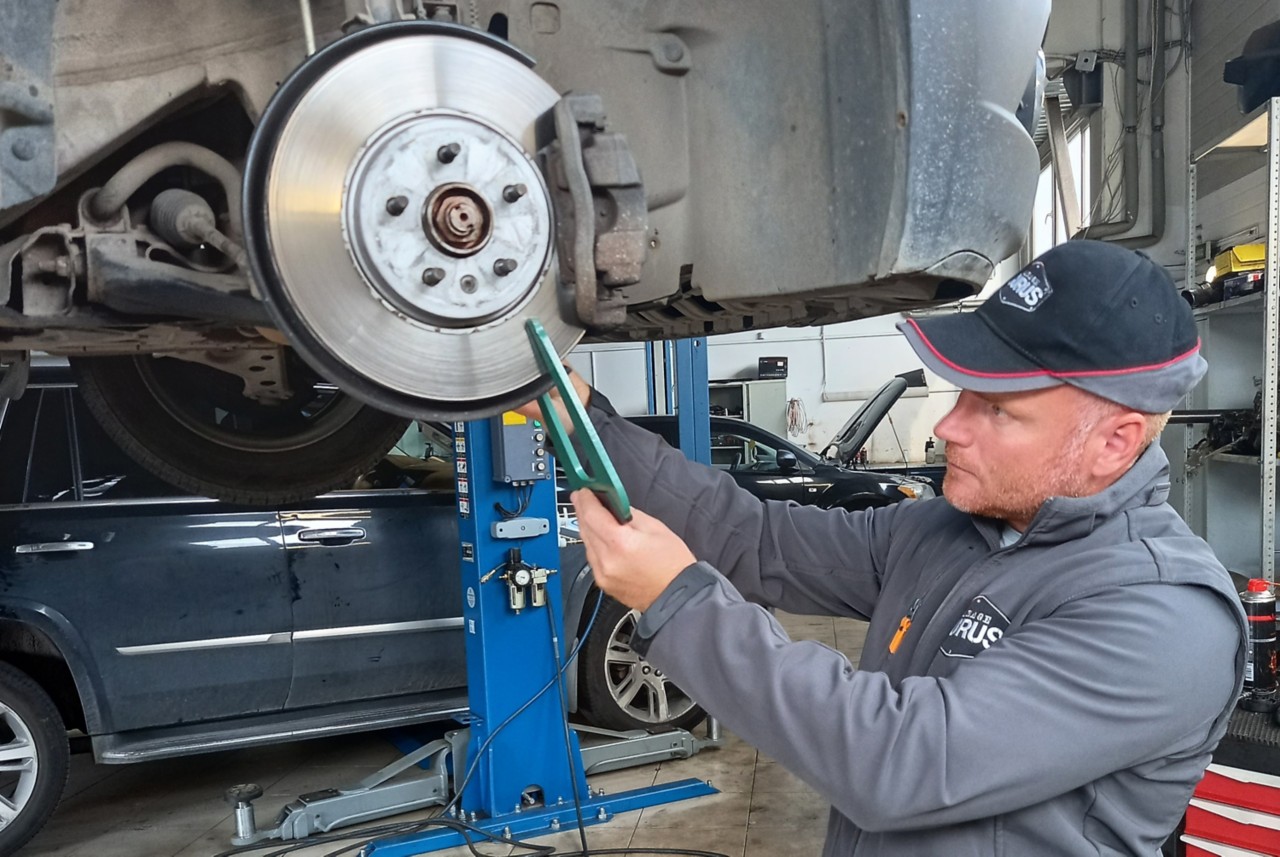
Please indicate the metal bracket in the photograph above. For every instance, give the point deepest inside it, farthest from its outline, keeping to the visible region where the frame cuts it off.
(261, 369)
(602, 218)
(372, 797)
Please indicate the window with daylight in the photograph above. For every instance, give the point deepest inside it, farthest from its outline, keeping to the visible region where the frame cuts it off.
(1048, 222)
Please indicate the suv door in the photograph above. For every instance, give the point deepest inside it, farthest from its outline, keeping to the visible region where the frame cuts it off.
(178, 604)
(378, 595)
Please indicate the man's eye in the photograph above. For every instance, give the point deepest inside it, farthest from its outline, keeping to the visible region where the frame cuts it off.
(997, 410)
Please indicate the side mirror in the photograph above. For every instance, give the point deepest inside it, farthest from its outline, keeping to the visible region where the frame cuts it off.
(786, 461)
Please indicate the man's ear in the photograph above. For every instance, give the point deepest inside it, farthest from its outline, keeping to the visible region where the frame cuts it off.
(1122, 444)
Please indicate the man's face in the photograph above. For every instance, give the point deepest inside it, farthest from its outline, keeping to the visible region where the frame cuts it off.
(1009, 452)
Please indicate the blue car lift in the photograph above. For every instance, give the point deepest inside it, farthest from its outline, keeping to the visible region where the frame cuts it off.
(517, 775)
(513, 635)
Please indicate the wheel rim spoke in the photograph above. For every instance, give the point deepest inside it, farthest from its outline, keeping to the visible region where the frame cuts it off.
(659, 707)
(622, 657)
(16, 751)
(625, 690)
(18, 756)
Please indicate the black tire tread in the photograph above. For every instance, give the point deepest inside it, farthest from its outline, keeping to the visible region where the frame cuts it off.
(150, 437)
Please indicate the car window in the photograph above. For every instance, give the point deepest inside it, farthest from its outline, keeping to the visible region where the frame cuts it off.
(735, 452)
(421, 458)
(107, 471)
(38, 460)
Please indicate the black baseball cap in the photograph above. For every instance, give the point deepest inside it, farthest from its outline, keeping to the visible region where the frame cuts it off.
(1086, 313)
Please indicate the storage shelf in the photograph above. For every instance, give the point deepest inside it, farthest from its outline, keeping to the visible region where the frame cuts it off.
(1243, 305)
(1236, 458)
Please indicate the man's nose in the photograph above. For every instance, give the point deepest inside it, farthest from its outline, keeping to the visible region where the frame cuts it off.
(952, 427)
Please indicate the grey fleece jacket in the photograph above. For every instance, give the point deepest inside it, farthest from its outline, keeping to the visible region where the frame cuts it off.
(1060, 696)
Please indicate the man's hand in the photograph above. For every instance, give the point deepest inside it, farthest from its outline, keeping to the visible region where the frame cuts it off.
(532, 411)
(632, 562)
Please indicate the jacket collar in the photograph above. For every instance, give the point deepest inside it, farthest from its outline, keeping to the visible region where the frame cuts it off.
(1061, 519)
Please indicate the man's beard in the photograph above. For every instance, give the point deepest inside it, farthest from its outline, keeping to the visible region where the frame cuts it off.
(1016, 495)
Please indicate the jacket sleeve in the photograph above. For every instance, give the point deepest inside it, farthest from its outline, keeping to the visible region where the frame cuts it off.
(800, 558)
(1105, 683)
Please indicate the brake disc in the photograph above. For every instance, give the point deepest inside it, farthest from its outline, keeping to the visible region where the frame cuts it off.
(397, 226)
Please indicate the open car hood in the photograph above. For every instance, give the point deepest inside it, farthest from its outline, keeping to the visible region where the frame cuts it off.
(844, 447)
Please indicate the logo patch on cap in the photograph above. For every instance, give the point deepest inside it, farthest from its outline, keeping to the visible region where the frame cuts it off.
(979, 627)
(1028, 290)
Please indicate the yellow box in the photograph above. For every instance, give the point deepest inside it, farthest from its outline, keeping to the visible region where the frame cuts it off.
(1241, 258)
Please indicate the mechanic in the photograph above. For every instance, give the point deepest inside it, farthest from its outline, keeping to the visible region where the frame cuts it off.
(1052, 655)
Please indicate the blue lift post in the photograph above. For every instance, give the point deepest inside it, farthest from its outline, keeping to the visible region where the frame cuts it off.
(510, 657)
(693, 399)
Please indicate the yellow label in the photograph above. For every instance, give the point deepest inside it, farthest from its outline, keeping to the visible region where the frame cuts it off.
(511, 418)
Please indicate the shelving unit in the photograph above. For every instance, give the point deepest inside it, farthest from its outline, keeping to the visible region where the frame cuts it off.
(1228, 498)
(762, 403)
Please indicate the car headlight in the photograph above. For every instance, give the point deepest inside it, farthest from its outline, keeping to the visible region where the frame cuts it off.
(913, 490)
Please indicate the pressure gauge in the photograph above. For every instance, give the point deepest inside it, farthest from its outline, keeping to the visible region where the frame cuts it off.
(522, 577)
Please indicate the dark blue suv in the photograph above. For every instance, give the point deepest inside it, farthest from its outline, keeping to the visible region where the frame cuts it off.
(159, 624)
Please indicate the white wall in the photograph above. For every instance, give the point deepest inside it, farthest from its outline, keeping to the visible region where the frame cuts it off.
(855, 357)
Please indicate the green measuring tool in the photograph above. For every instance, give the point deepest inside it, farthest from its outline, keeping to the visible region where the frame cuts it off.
(602, 478)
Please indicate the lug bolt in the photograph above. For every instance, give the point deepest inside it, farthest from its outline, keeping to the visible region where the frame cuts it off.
(396, 205)
(468, 284)
(502, 267)
(446, 154)
(513, 192)
(432, 276)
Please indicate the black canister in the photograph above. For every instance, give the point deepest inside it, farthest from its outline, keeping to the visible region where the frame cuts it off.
(1260, 656)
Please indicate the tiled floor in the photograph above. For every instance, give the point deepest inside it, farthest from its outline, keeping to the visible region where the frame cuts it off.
(174, 808)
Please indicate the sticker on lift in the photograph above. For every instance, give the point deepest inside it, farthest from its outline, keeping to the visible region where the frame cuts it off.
(464, 487)
(471, 597)
(468, 552)
(464, 508)
(460, 465)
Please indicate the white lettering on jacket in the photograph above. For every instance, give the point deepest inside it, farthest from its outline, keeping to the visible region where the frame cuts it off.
(978, 628)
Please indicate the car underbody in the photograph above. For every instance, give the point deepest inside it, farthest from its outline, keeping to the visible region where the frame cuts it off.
(195, 196)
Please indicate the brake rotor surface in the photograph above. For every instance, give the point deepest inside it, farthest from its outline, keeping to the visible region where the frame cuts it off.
(398, 226)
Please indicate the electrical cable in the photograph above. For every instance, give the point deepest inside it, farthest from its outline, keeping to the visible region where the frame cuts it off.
(370, 835)
(797, 419)
(564, 722)
(524, 496)
(479, 754)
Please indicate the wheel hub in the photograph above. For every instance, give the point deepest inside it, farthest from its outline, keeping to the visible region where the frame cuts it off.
(397, 225)
(471, 255)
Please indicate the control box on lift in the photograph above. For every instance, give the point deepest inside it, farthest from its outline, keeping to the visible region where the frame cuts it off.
(519, 449)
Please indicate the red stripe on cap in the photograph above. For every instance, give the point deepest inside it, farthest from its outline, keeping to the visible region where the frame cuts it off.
(1089, 373)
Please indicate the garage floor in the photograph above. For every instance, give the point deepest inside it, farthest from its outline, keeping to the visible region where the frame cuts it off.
(174, 808)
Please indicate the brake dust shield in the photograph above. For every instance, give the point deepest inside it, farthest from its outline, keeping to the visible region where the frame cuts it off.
(397, 226)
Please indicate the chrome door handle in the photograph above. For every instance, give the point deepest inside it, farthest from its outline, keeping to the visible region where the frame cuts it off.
(345, 535)
(53, 547)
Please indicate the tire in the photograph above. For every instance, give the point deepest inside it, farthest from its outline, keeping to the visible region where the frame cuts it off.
(34, 754)
(622, 691)
(191, 425)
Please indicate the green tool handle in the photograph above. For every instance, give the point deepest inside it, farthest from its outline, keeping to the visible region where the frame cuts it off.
(602, 478)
